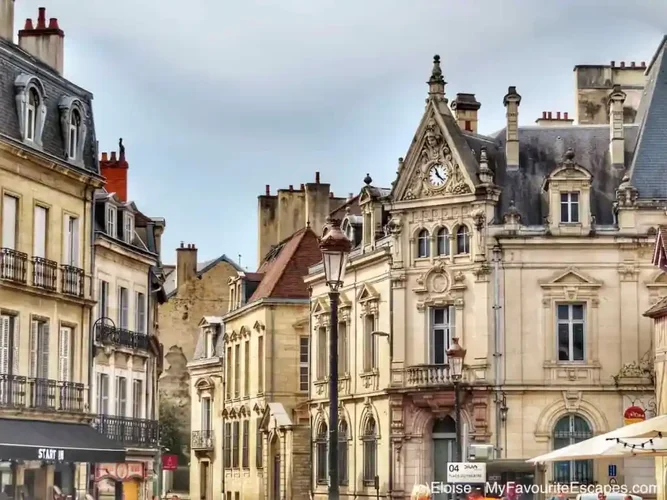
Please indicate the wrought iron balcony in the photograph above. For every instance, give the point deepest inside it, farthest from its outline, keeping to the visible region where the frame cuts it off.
(427, 376)
(17, 391)
(130, 432)
(202, 440)
(109, 334)
(13, 265)
(45, 273)
(72, 280)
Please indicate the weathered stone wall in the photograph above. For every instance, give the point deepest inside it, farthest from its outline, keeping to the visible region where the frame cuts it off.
(301, 461)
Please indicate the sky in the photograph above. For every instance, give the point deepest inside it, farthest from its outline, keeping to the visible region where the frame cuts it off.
(214, 99)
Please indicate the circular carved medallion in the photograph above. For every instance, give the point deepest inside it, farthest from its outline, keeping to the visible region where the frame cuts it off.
(439, 283)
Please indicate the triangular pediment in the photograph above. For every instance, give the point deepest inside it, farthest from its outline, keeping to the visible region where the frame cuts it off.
(367, 292)
(571, 277)
(321, 307)
(343, 301)
(439, 163)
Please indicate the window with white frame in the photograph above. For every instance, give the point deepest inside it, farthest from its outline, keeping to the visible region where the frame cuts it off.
(304, 353)
(128, 227)
(102, 394)
(121, 396)
(571, 332)
(423, 244)
(569, 207)
(31, 114)
(371, 360)
(442, 332)
(228, 363)
(246, 368)
(40, 230)
(103, 299)
(112, 219)
(71, 240)
(65, 354)
(321, 353)
(39, 349)
(123, 308)
(10, 223)
(140, 313)
(206, 414)
(237, 370)
(462, 240)
(74, 134)
(9, 350)
(443, 241)
(137, 398)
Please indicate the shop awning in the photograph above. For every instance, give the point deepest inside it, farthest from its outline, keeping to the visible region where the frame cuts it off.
(55, 441)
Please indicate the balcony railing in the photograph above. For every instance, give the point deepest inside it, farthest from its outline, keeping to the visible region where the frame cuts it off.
(427, 375)
(17, 391)
(130, 432)
(108, 334)
(72, 280)
(45, 273)
(13, 265)
(202, 440)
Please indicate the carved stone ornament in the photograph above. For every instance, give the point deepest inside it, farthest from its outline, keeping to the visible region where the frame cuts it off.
(436, 152)
(626, 194)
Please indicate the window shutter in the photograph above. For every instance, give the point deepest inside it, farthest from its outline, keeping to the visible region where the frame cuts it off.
(17, 346)
(44, 352)
(67, 239)
(64, 349)
(39, 243)
(75, 242)
(5, 323)
(9, 222)
(34, 338)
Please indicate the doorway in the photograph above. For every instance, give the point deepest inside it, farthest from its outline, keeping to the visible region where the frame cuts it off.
(444, 451)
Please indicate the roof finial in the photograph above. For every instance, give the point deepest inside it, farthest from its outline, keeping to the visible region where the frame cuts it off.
(436, 84)
(368, 180)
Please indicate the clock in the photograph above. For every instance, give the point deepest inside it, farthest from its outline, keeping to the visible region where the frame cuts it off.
(437, 175)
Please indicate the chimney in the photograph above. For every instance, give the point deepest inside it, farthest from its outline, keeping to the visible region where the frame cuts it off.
(617, 133)
(114, 169)
(465, 108)
(46, 43)
(186, 263)
(511, 102)
(7, 19)
(548, 120)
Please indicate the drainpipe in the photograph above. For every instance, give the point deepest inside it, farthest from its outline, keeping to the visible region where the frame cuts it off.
(391, 364)
(496, 341)
(310, 394)
(224, 400)
(91, 335)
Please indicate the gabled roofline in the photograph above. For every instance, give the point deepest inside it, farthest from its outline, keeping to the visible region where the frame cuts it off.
(208, 267)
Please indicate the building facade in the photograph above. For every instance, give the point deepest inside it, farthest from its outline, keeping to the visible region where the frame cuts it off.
(127, 351)
(532, 247)
(48, 174)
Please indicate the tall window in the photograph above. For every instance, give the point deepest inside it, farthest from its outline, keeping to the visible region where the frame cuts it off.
(569, 430)
(31, 115)
(304, 353)
(40, 230)
(65, 354)
(246, 368)
(237, 370)
(321, 452)
(39, 349)
(9, 350)
(245, 453)
(112, 219)
(569, 207)
(128, 227)
(140, 313)
(10, 222)
(123, 308)
(260, 364)
(342, 348)
(571, 333)
(71, 241)
(462, 240)
(206, 414)
(137, 398)
(103, 299)
(121, 397)
(102, 394)
(228, 362)
(259, 457)
(442, 241)
(442, 332)
(343, 437)
(74, 133)
(235, 445)
(321, 353)
(228, 445)
(369, 440)
(370, 344)
(423, 244)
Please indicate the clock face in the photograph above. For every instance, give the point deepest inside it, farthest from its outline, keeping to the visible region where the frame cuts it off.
(437, 175)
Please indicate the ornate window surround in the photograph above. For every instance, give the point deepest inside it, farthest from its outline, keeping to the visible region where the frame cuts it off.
(368, 300)
(205, 387)
(322, 319)
(23, 84)
(67, 106)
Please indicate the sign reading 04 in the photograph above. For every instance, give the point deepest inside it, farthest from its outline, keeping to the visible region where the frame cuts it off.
(437, 175)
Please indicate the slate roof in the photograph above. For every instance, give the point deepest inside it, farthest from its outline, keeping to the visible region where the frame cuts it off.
(202, 268)
(14, 61)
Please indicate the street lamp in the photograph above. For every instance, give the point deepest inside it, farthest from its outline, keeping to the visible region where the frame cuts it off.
(456, 354)
(335, 249)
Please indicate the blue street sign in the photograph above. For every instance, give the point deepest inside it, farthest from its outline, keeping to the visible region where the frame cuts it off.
(612, 471)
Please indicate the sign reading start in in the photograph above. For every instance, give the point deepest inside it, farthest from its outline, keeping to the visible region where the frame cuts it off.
(50, 454)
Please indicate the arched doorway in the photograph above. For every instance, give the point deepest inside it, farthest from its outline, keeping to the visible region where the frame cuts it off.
(444, 447)
(274, 464)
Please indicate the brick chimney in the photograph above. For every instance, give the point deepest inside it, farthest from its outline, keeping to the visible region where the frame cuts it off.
(114, 169)
(465, 108)
(616, 130)
(186, 263)
(7, 19)
(511, 101)
(556, 119)
(46, 43)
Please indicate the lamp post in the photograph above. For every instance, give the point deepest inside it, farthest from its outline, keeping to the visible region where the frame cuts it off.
(335, 249)
(456, 354)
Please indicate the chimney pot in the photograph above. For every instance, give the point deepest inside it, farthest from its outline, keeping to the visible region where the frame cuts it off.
(565, 116)
(613, 64)
(28, 25)
(331, 195)
(558, 115)
(105, 156)
(182, 244)
(113, 156)
(549, 115)
(632, 64)
(268, 190)
(544, 115)
(291, 188)
(53, 24)
(317, 177)
(41, 19)
(643, 64)
(303, 186)
(622, 64)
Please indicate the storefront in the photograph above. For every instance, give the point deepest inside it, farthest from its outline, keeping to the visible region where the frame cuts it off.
(122, 480)
(36, 455)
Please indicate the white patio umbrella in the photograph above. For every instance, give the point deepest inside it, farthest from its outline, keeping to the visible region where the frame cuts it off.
(655, 427)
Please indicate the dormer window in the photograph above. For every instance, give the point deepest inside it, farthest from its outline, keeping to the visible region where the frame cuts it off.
(569, 207)
(74, 134)
(211, 338)
(30, 108)
(128, 227)
(31, 115)
(111, 221)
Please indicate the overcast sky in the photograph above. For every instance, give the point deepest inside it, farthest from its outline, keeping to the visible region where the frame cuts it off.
(216, 98)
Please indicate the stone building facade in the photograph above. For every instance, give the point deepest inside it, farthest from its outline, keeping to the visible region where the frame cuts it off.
(533, 248)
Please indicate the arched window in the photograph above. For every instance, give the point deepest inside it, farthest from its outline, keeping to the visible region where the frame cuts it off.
(342, 452)
(321, 454)
(369, 440)
(569, 430)
(74, 133)
(348, 230)
(442, 239)
(423, 244)
(462, 240)
(31, 114)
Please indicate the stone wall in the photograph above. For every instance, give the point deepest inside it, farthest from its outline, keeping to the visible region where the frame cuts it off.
(301, 461)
